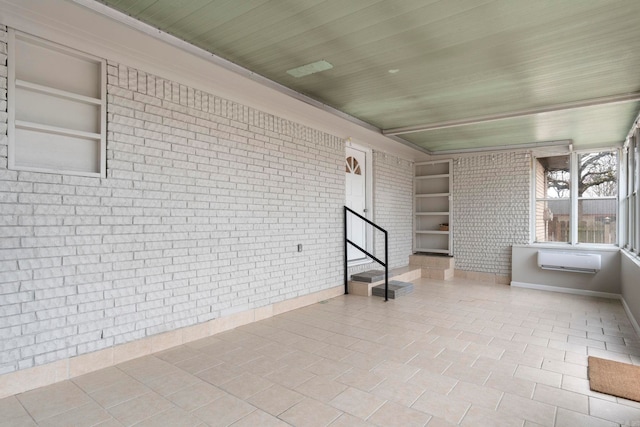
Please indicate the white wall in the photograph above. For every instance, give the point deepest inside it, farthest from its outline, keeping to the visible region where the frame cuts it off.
(200, 215)
(607, 280)
(393, 207)
(630, 286)
(491, 199)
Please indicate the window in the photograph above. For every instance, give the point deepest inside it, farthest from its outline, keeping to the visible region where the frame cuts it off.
(629, 193)
(576, 198)
(56, 108)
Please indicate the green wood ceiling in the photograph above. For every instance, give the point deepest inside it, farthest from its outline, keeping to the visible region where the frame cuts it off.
(457, 59)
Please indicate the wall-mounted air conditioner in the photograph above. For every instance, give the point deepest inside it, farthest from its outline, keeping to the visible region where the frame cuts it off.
(578, 262)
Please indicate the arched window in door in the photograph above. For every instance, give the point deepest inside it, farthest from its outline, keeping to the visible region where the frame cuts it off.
(353, 166)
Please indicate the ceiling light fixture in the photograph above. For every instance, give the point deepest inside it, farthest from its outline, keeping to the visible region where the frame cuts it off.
(314, 67)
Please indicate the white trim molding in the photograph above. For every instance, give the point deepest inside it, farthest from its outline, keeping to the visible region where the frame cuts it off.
(573, 291)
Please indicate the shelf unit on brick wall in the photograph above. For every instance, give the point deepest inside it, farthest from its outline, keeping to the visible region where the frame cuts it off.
(432, 223)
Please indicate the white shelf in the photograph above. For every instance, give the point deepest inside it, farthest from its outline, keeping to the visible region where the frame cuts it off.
(433, 195)
(432, 187)
(57, 92)
(22, 124)
(445, 175)
(431, 250)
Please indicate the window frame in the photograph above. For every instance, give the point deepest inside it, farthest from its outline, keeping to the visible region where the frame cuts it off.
(57, 94)
(573, 197)
(630, 194)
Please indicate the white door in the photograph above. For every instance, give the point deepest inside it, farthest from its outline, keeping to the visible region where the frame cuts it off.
(355, 184)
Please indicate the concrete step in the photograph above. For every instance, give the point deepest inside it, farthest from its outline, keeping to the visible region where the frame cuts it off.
(403, 274)
(368, 276)
(437, 267)
(396, 289)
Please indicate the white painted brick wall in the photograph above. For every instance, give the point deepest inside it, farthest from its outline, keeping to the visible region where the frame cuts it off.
(393, 206)
(200, 215)
(491, 202)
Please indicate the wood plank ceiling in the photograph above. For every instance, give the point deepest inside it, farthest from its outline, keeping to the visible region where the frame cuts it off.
(439, 64)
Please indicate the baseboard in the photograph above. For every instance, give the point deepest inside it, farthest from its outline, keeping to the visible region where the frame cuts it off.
(632, 319)
(39, 376)
(566, 290)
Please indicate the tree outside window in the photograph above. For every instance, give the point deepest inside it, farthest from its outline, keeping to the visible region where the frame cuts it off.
(596, 189)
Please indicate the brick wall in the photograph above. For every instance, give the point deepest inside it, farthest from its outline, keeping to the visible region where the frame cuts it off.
(491, 199)
(393, 206)
(200, 215)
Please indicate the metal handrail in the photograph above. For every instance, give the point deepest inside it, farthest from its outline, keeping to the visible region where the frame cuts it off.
(347, 242)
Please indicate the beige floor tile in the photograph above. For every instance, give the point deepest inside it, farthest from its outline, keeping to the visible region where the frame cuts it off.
(581, 386)
(311, 346)
(433, 382)
(348, 420)
(262, 365)
(139, 408)
(198, 363)
(310, 413)
(467, 373)
(220, 374)
(541, 376)
(83, 416)
(520, 407)
(99, 379)
(497, 366)
(223, 411)
(391, 414)
(431, 364)
(259, 418)
(364, 360)
(194, 396)
(11, 408)
(119, 392)
(360, 379)
(612, 411)
(172, 382)
(246, 385)
(178, 354)
(20, 421)
(357, 402)
(509, 384)
(477, 395)
(561, 398)
(52, 400)
(396, 391)
(111, 422)
(275, 400)
(397, 353)
(445, 407)
(322, 388)
(482, 417)
(289, 376)
(239, 356)
(567, 368)
(328, 367)
(567, 418)
(341, 340)
(147, 368)
(300, 359)
(397, 371)
(439, 422)
(174, 417)
(333, 352)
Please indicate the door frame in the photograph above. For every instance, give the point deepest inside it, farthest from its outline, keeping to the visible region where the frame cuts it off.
(368, 188)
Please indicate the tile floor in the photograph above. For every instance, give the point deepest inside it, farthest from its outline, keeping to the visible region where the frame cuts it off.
(451, 353)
